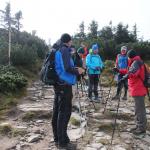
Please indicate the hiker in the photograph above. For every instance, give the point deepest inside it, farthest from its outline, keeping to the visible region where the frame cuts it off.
(84, 51)
(77, 58)
(94, 66)
(137, 90)
(63, 92)
(121, 69)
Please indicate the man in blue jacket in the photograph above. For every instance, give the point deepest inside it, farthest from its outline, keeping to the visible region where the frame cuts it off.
(67, 73)
(94, 66)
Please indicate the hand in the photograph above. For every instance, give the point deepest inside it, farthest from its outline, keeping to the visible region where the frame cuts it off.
(115, 70)
(97, 68)
(81, 70)
(124, 78)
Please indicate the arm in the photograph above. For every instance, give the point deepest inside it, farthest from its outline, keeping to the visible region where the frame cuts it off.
(67, 62)
(134, 70)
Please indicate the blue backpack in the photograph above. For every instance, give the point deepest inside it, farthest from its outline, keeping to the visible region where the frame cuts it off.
(48, 74)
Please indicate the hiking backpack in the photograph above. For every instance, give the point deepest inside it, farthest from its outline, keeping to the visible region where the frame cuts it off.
(48, 74)
(147, 76)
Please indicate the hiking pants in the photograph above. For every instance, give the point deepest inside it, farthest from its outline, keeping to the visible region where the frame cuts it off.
(61, 113)
(93, 84)
(140, 112)
(122, 84)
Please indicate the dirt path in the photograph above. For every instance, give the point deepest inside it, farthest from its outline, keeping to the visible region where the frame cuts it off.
(30, 124)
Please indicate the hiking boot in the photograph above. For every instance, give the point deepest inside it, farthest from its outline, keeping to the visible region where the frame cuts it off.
(69, 146)
(116, 97)
(96, 99)
(124, 98)
(138, 131)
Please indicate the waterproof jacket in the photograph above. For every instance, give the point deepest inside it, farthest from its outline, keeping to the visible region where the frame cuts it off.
(136, 76)
(93, 62)
(122, 63)
(64, 66)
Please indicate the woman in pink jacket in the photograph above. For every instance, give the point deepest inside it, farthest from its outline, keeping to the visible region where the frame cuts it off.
(137, 90)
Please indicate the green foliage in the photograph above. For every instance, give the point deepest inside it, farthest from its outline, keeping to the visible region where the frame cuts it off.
(11, 80)
(23, 56)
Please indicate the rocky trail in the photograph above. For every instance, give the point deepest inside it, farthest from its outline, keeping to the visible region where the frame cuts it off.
(30, 123)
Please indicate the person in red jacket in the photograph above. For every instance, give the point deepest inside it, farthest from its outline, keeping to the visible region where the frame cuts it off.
(121, 69)
(137, 90)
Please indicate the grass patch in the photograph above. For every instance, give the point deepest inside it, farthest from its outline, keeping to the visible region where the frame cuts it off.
(18, 132)
(122, 116)
(35, 115)
(74, 121)
(8, 130)
(9, 100)
(104, 141)
(29, 116)
(106, 127)
(5, 129)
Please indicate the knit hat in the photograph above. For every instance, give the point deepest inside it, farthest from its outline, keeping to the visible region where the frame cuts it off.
(131, 53)
(124, 48)
(80, 50)
(94, 47)
(65, 38)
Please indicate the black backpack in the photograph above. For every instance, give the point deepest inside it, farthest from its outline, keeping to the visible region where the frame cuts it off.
(48, 74)
(147, 77)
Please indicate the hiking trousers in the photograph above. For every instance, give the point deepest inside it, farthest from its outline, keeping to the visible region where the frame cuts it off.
(61, 113)
(140, 112)
(93, 84)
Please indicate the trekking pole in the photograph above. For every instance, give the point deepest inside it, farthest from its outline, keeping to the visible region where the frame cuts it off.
(84, 88)
(78, 97)
(109, 91)
(115, 123)
(101, 90)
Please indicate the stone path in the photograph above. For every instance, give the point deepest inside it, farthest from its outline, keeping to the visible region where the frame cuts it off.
(91, 129)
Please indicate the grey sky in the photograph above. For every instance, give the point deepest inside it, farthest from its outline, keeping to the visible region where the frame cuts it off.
(51, 18)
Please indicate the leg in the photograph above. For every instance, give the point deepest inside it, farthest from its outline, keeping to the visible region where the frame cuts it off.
(96, 80)
(125, 84)
(140, 113)
(65, 106)
(55, 113)
(119, 87)
(90, 86)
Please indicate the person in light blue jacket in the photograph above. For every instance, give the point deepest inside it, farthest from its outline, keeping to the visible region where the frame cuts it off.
(94, 66)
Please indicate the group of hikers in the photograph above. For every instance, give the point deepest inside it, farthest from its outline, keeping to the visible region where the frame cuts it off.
(70, 66)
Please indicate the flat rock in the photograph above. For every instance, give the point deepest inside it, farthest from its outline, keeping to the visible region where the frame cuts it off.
(34, 138)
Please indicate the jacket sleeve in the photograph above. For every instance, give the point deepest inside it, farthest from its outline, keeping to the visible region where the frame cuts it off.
(116, 65)
(101, 63)
(67, 63)
(88, 62)
(134, 70)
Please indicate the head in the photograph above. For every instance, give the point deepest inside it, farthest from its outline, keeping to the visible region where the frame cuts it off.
(123, 50)
(66, 39)
(131, 54)
(95, 48)
(73, 49)
(80, 51)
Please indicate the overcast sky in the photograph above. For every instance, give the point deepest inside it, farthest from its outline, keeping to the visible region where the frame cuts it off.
(51, 18)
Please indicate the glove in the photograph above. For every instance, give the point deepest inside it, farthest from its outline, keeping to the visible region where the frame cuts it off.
(124, 78)
(97, 68)
(115, 70)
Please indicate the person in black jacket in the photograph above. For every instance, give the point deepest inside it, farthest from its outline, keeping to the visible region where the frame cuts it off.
(66, 72)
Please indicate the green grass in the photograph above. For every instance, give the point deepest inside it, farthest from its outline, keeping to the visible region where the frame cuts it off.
(10, 100)
(74, 121)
